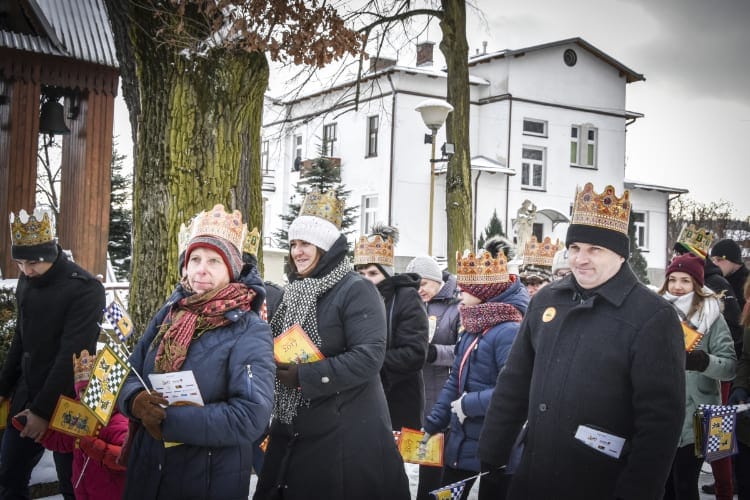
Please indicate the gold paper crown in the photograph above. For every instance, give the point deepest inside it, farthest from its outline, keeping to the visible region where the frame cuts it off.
(252, 242)
(28, 230)
(482, 269)
(82, 365)
(604, 210)
(218, 222)
(374, 250)
(696, 240)
(323, 205)
(540, 254)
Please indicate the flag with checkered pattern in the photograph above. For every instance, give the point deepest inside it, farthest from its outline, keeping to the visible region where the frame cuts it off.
(100, 395)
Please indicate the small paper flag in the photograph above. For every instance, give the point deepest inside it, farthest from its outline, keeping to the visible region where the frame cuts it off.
(72, 418)
(119, 319)
(100, 395)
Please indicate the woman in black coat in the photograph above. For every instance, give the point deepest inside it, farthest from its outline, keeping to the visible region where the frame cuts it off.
(331, 435)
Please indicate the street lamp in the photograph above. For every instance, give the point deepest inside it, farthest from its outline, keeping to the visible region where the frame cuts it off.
(434, 112)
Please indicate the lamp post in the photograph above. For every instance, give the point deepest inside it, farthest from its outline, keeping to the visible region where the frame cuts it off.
(434, 112)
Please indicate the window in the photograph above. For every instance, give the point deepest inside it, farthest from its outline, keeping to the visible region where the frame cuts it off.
(534, 127)
(532, 167)
(372, 136)
(641, 229)
(583, 140)
(537, 230)
(369, 212)
(298, 147)
(329, 139)
(264, 157)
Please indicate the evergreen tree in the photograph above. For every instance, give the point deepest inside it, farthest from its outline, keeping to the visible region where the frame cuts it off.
(324, 176)
(637, 261)
(120, 217)
(494, 228)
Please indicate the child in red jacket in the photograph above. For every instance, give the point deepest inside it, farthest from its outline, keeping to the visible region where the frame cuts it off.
(96, 473)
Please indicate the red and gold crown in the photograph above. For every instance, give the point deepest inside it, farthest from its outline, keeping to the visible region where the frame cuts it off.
(482, 269)
(82, 365)
(252, 242)
(324, 205)
(218, 222)
(540, 254)
(696, 240)
(31, 229)
(374, 250)
(603, 210)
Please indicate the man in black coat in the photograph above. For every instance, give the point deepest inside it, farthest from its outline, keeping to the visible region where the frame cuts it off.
(597, 371)
(727, 255)
(59, 308)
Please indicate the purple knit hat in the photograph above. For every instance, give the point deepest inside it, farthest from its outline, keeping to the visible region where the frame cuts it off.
(690, 264)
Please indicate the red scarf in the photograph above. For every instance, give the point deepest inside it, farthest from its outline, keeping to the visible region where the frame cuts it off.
(195, 315)
(482, 316)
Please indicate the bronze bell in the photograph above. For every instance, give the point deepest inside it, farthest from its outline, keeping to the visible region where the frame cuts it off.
(52, 119)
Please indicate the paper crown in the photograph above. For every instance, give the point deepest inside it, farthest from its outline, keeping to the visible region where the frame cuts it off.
(216, 222)
(82, 365)
(481, 269)
(324, 205)
(603, 210)
(252, 242)
(29, 230)
(376, 248)
(540, 254)
(696, 240)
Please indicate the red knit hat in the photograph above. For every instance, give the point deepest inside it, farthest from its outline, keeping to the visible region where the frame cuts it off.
(690, 264)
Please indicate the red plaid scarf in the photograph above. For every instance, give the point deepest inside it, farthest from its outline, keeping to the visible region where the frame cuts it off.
(478, 318)
(194, 316)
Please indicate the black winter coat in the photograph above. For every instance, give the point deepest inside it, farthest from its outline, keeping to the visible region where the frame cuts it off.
(58, 316)
(406, 350)
(341, 447)
(731, 311)
(614, 361)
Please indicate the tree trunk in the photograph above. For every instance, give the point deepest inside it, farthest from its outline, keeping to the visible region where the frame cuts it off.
(198, 143)
(458, 197)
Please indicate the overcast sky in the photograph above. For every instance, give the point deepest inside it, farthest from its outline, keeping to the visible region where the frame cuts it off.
(696, 100)
(695, 55)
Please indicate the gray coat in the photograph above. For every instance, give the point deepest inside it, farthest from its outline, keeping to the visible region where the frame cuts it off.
(614, 361)
(444, 307)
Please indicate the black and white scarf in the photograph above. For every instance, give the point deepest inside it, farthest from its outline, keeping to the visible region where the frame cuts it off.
(299, 306)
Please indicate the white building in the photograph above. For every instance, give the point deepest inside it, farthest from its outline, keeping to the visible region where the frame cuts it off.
(544, 121)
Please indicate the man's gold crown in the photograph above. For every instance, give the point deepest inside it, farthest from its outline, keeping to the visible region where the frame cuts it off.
(217, 222)
(324, 205)
(252, 242)
(540, 254)
(603, 210)
(374, 250)
(481, 269)
(31, 229)
(697, 240)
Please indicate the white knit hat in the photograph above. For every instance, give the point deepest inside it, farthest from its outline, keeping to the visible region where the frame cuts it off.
(426, 267)
(315, 230)
(560, 261)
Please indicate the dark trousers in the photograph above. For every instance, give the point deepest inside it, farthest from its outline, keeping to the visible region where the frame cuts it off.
(429, 479)
(492, 486)
(742, 471)
(682, 483)
(18, 457)
(64, 468)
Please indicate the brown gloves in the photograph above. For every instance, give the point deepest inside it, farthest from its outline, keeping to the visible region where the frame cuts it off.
(148, 409)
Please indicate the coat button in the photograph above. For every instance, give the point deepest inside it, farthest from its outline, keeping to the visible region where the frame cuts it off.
(325, 380)
(543, 407)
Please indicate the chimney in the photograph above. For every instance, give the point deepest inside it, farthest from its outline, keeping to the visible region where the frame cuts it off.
(484, 48)
(424, 54)
(379, 62)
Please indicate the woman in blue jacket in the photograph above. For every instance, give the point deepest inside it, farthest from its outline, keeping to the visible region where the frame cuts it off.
(209, 326)
(492, 307)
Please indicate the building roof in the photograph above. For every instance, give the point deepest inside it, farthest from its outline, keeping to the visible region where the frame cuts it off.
(77, 29)
(630, 75)
(481, 163)
(629, 184)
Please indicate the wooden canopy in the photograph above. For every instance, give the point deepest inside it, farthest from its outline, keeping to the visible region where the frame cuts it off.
(66, 46)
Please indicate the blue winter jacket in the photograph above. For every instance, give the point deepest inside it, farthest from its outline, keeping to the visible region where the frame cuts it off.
(233, 366)
(478, 379)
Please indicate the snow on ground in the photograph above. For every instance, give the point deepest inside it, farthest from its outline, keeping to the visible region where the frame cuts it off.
(45, 472)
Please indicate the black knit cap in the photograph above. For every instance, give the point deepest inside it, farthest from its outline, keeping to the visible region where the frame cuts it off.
(727, 249)
(614, 240)
(44, 252)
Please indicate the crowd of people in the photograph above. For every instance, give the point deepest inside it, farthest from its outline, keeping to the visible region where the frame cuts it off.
(567, 378)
